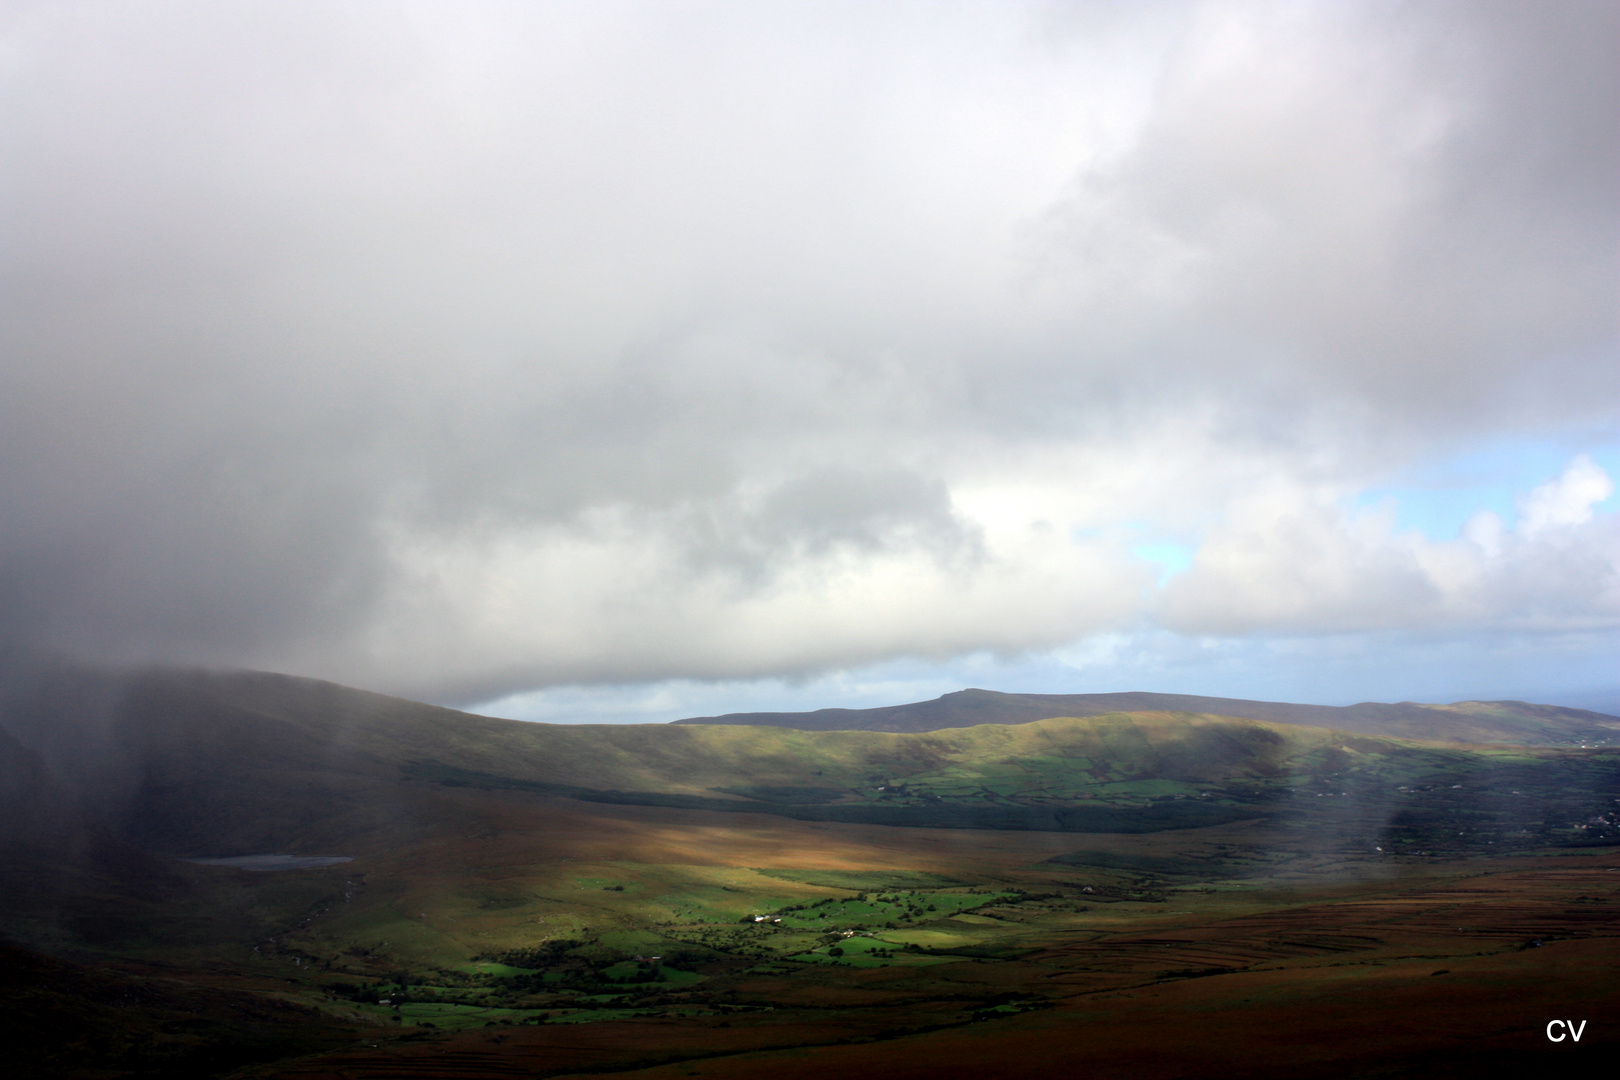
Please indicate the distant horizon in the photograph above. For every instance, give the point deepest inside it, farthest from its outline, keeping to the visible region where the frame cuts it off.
(1120, 693)
(665, 703)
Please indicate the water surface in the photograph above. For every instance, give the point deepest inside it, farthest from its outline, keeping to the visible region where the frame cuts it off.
(274, 862)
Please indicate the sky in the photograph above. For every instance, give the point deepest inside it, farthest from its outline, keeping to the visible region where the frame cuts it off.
(627, 361)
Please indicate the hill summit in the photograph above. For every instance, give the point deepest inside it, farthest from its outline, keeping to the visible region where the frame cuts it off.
(1465, 721)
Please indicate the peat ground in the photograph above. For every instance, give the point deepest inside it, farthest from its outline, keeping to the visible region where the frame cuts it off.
(503, 945)
(1152, 894)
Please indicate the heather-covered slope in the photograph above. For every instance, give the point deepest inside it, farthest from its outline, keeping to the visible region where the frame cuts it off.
(195, 763)
(611, 898)
(1464, 721)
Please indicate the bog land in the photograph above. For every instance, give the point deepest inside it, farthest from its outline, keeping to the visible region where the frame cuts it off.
(1157, 892)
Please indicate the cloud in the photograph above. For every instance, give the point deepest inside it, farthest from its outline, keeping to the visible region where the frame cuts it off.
(1399, 205)
(631, 591)
(1293, 560)
(459, 349)
(1566, 501)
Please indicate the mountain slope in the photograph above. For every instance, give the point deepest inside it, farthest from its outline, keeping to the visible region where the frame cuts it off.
(515, 884)
(201, 764)
(1467, 721)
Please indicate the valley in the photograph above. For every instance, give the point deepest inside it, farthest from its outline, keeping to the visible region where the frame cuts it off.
(1159, 893)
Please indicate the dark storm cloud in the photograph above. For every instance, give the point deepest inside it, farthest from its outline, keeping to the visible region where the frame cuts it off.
(461, 348)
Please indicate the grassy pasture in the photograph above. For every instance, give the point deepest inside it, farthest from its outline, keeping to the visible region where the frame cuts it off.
(1037, 963)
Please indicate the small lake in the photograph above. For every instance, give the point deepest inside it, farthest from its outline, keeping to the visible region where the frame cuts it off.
(274, 862)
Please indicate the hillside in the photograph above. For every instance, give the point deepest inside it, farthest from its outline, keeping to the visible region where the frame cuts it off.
(1464, 721)
(538, 899)
(202, 764)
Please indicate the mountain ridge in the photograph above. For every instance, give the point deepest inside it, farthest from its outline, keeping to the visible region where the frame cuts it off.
(209, 763)
(1465, 721)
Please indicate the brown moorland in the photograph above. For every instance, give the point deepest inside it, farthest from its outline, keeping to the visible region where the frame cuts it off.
(1432, 970)
(523, 900)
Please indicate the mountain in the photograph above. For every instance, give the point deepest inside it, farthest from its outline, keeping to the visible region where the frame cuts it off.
(198, 764)
(1465, 721)
(514, 898)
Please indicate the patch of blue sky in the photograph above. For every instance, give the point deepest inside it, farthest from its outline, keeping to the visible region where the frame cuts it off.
(1437, 498)
(1172, 558)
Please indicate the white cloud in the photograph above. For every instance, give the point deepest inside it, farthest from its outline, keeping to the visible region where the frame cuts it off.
(463, 348)
(1288, 558)
(632, 591)
(1565, 501)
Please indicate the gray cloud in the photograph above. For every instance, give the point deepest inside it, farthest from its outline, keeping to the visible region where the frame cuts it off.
(456, 349)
